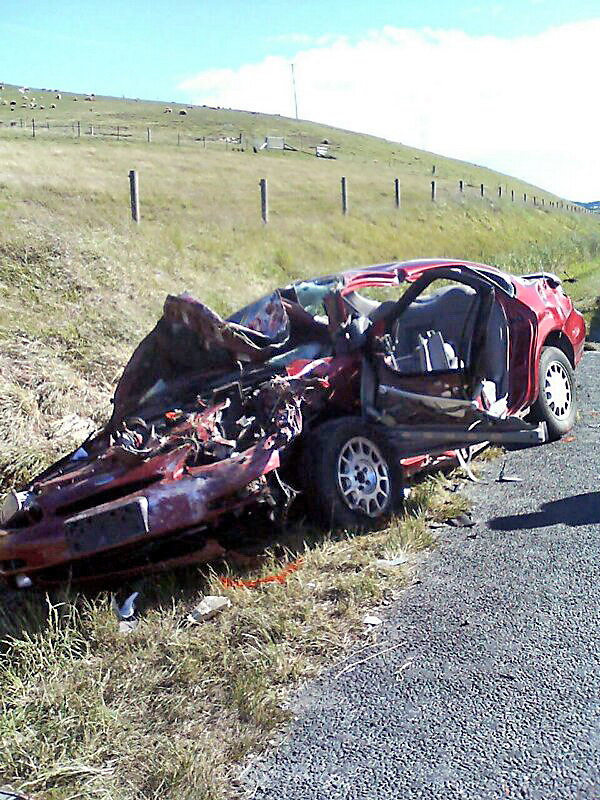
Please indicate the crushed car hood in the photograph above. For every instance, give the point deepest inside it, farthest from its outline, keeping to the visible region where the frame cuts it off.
(190, 351)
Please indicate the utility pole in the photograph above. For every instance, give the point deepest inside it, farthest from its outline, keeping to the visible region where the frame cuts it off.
(294, 86)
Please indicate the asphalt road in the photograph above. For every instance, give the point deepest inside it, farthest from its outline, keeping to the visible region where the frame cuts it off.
(493, 688)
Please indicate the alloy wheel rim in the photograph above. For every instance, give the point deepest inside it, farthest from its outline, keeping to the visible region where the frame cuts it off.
(363, 477)
(557, 389)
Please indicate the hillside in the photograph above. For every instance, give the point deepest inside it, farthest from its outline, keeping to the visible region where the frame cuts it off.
(163, 714)
(81, 284)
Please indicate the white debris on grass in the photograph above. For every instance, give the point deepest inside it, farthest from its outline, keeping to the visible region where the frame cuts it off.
(396, 561)
(125, 613)
(371, 619)
(208, 608)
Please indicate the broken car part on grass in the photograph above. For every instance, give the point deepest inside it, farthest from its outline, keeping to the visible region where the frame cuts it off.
(322, 388)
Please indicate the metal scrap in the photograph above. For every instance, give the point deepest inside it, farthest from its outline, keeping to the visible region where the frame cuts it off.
(125, 613)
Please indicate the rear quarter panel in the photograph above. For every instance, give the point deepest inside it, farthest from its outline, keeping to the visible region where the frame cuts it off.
(554, 314)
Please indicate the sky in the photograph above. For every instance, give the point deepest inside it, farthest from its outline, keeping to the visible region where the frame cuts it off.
(510, 84)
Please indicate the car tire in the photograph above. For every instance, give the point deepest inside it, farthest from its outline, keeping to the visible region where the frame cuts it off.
(351, 477)
(556, 404)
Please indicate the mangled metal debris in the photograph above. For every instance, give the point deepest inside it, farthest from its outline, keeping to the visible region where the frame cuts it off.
(319, 389)
(126, 613)
(503, 477)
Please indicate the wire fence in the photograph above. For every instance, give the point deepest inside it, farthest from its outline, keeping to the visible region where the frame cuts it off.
(165, 134)
(242, 141)
(395, 193)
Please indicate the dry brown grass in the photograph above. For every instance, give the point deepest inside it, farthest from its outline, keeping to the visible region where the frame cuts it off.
(171, 710)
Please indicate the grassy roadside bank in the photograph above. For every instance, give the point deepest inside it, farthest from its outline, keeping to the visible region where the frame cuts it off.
(171, 709)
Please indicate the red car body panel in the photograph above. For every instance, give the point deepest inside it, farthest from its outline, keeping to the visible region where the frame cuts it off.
(165, 491)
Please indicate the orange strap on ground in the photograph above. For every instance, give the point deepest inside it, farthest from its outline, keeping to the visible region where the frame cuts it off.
(279, 577)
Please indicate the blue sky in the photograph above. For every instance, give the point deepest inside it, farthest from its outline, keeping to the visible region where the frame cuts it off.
(509, 84)
(145, 49)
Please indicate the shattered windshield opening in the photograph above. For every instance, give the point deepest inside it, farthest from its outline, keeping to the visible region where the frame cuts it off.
(311, 294)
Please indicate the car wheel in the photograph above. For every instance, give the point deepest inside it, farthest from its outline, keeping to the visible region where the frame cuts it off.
(352, 478)
(556, 404)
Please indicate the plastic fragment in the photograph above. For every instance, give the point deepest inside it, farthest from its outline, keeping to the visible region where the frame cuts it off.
(465, 463)
(208, 608)
(125, 613)
(127, 610)
(391, 562)
(371, 619)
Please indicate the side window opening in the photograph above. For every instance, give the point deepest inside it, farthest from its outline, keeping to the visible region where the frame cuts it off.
(435, 332)
(449, 329)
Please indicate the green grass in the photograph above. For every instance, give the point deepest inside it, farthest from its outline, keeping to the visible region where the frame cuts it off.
(171, 710)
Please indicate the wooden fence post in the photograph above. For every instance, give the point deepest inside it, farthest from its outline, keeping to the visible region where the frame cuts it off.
(134, 191)
(91, 130)
(524, 197)
(32, 128)
(461, 186)
(178, 139)
(433, 191)
(499, 191)
(344, 183)
(264, 200)
(512, 195)
(79, 129)
(397, 192)
(433, 170)
(118, 132)
(482, 189)
(149, 135)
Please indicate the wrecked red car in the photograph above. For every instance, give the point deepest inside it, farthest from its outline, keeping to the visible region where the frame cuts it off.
(339, 387)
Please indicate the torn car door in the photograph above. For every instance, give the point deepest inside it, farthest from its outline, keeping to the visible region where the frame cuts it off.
(436, 374)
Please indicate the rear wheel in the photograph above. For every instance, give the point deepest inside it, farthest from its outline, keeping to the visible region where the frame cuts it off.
(556, 404)
(351, 476)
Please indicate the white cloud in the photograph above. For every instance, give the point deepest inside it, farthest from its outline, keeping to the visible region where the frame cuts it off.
(525, 106)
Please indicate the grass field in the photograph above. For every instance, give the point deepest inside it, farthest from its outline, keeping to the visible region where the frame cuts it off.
(170, 711)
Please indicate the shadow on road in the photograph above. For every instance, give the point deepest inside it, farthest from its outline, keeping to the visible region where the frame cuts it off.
(581, 509)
